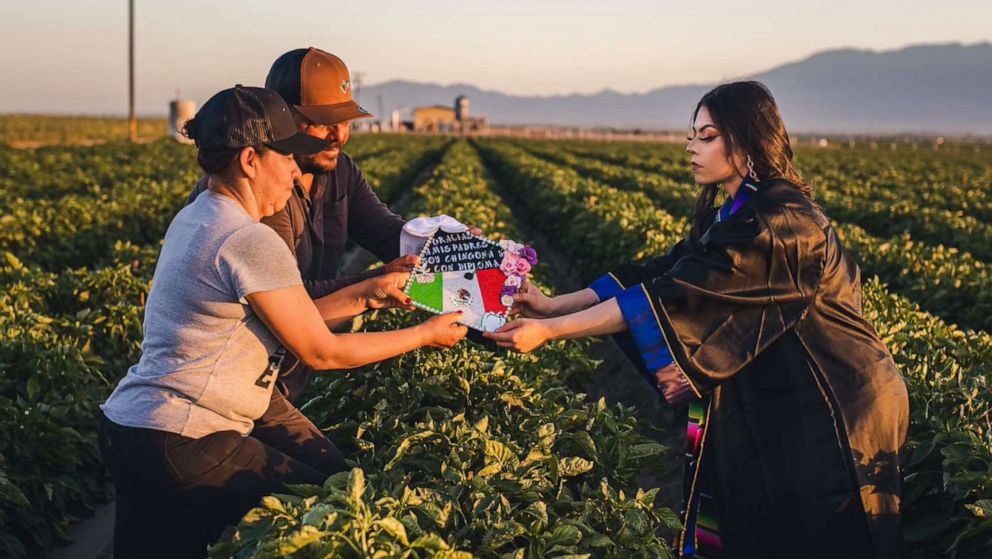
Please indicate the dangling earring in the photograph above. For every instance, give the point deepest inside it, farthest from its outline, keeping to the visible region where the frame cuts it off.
(750, 168)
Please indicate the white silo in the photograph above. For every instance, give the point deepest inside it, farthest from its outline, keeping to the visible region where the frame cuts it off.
(179, 112)
(461, 108)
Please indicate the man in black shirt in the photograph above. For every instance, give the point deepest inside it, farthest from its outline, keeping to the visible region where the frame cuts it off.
(338, 202)
(332, 202)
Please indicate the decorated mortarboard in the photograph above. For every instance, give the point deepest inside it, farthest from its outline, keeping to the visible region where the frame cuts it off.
(460, 271)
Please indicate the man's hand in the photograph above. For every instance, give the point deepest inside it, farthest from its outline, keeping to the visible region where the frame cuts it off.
(403, 264)
(522, 335)
(386, 291)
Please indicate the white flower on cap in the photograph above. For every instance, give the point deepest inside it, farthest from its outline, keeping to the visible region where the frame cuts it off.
(511, 246)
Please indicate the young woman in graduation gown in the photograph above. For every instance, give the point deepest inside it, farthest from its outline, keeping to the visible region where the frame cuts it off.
(797, 410)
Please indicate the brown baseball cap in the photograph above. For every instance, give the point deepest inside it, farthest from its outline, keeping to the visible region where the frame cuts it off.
(317, 84)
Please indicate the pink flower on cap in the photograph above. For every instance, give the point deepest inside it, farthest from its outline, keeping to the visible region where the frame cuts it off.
(509, 265)
(523, 266)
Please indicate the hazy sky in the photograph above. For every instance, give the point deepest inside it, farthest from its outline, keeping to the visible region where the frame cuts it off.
(71, 56)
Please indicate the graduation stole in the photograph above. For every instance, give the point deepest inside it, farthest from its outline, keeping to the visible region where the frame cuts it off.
(743, 195)
(701, 537)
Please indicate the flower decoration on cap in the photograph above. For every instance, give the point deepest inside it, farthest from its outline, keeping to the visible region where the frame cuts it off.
(518, 260)
(509, 264)
(529, 254)
(462, 271)
(511, 246)
(523, 266)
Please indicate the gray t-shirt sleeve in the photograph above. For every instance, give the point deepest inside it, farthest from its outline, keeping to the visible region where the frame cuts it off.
(255, 259)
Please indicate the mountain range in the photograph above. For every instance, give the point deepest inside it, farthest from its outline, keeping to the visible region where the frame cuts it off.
(923, 89)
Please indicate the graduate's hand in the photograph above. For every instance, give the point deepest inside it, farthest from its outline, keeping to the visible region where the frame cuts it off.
(531, 302)
(403, 263)
(475, 230)
(522, 335)
(386, 291)
(443, 330)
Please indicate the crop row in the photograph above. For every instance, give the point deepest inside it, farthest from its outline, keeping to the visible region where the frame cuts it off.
(488, 453)
(948, 465)
(54, 171)
(959, 180)
(24, 129)
(135, 201)
(66, 337)
(952, 284)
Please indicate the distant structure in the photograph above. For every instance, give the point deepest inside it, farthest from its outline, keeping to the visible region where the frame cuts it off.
(461, 108)
(435, 118)
(180, 111)
(440, 119)
(367, 125)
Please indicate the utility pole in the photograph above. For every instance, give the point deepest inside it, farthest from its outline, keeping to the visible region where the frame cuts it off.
(356, 84)
(132, 120)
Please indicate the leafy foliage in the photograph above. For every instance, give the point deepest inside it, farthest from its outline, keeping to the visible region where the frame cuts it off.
(502, 458)
(948, 370)
(466, 452)
(68, 333)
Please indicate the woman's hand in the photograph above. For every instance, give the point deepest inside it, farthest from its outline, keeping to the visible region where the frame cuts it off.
(443, 330)
(531, 302)
(386, 291)
(522, 335)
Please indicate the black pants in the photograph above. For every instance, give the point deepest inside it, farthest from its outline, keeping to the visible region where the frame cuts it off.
(175, 495)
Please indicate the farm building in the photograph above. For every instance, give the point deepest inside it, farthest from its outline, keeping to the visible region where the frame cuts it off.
(435, 118)
(446, 119)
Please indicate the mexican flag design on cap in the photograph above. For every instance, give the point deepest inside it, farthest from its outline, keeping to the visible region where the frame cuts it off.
(462, 272)
(475, 293)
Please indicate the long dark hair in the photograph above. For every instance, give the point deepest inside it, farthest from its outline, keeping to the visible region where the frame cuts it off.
(746, 114)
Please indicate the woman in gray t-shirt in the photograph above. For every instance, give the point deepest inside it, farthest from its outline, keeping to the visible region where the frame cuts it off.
(226, 298)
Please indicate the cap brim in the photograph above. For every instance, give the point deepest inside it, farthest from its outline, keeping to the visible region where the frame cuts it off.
(302, 144)
(333, 114)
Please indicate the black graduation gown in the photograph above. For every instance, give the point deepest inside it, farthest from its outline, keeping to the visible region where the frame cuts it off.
(807, 410)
